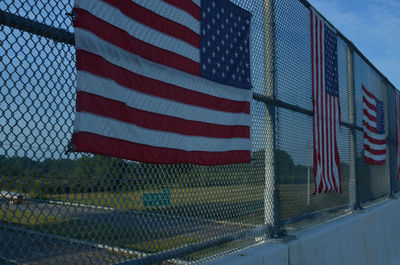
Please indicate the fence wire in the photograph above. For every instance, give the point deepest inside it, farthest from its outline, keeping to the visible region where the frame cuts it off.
(67, 208)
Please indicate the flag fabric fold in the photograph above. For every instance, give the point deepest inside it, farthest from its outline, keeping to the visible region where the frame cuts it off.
(374, 129)
(326, 105)
(163, 81)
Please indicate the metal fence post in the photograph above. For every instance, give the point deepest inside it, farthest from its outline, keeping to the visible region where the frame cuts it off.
(353, 184)
(388, 136)
(391, 95)
(271, 202)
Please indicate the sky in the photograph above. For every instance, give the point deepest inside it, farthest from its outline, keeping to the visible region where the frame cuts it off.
(373, 26)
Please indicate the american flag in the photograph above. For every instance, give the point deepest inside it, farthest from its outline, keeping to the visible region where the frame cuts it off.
(163, 81)
(374, 129)
(397, 95)
(326, 105)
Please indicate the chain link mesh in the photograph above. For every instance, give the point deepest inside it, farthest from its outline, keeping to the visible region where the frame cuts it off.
(372, 181)
(66, 208)
(294, 130)
(59, 208)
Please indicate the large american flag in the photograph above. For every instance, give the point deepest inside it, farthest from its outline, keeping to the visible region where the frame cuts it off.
(374, 129)
(326, 105)
(397, 95)
(163, 81)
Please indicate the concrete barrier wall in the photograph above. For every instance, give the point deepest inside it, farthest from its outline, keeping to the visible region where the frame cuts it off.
(367, 237)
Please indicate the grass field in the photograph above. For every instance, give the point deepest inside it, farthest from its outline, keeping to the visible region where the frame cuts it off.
(293, 198)
(133, 200)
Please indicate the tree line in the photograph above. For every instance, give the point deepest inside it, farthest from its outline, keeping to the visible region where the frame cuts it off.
(100, 173)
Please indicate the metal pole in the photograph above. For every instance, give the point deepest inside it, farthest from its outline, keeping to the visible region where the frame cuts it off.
(27, 25)
(354, 201)
(388, 147)
(271, 203)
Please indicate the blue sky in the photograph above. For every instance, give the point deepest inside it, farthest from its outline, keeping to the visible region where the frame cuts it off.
(373, 26)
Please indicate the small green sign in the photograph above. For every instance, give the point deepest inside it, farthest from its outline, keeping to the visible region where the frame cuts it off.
(157, 199)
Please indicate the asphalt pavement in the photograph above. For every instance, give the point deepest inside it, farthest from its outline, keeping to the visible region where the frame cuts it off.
(29, 247)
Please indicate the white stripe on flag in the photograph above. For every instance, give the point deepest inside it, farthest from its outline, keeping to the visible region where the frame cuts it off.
(159, 7)
(372, 101)
(88, 41)
(370, 112)
(377, 147)
(114, 16)
(108, 88)
(197, 2)
(317, 119)
(172, 13)
(337, 132)
(375, 157)
(92, 123)
(369, 122)
(376, 136)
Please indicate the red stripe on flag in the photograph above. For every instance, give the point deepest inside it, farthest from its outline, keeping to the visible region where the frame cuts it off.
(187, 5)
(120, 111)
(88, 142)
(369, 105)
(374, 151)
(323, 100)
(337, 157)
(99, 66)
(373, 140)
(371, 129)
(330, 145)
(374, 162)
(319, 108)
(368, 93)
(369, 116)
(332, 137)
(318, 101)
(125, 41)
(155, 21)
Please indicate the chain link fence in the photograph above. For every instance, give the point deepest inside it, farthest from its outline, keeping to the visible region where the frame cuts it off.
(76, 208)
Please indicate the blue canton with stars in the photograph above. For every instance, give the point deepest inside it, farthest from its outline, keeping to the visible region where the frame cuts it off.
(225, 43)
(380, 119)
(331, 62)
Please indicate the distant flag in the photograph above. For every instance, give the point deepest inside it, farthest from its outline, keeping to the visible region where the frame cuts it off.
(374, 129)
(163, 81)
(326, 105)
(397, 95)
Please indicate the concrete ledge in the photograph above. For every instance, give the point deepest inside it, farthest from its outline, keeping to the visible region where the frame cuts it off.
(276, 253)
(367, 237)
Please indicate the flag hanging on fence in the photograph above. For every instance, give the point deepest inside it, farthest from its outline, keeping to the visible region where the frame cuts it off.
(374, 129)
(397, 95)
(326, 105)
(163, 81)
